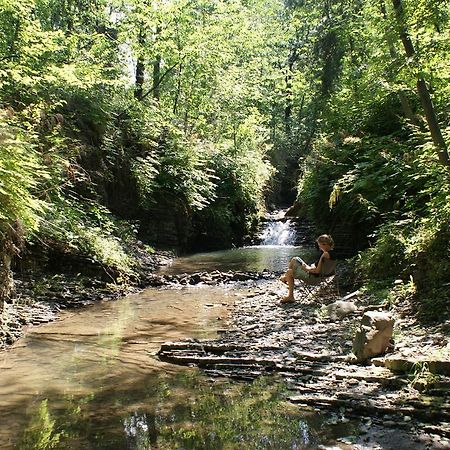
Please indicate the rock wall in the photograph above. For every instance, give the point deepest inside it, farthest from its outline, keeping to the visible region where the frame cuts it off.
(167, 224)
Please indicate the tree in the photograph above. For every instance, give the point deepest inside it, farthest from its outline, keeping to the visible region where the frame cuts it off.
(422, 88)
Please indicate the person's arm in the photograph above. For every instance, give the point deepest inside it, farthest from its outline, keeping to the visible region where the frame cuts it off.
(313, 269)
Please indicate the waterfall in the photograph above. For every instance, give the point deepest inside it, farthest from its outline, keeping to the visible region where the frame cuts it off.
(276, 232)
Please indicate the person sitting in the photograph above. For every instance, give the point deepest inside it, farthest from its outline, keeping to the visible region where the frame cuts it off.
(310, 274)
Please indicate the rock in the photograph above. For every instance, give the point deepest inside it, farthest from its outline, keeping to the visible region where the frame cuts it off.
(351, 295)
(373, 336)
(402, 364)
(340, 309)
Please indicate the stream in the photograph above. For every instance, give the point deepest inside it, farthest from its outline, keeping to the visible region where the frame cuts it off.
(91, 380)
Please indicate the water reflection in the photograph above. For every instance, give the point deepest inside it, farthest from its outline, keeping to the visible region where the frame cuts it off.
(106, 349)
(227, 415)
(184, 411)
(91, 381)
(254, 258)
(40, 432)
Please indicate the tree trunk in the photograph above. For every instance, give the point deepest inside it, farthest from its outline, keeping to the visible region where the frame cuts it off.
(140, 68)
(422, 88)
(11, 239)
(288, 107)
(288, 91)
(157, 70)
(299, 118)
(406, 106)
(177, 94)
(156, 77)
(6, 279)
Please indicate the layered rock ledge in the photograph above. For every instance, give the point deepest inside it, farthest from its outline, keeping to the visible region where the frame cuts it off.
(310, 349)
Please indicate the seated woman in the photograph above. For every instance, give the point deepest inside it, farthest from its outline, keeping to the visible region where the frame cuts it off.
(313, 274)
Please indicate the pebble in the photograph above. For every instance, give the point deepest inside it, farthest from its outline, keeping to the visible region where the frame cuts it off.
(389, 423)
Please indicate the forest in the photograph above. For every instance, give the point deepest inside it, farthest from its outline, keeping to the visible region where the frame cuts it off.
(120, 116)
(134, 132)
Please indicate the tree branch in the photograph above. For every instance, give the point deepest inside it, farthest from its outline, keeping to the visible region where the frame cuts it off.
(161, 78)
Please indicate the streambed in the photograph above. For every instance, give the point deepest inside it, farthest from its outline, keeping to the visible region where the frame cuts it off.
(91, 380)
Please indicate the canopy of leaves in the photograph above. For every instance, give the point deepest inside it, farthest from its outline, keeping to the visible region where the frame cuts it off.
(75, 138)
(370, 166)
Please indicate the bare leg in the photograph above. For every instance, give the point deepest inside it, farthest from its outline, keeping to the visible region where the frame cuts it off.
(285, 278)
(289, 276)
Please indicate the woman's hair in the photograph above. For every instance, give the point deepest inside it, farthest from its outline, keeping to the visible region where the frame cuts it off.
(325, 239)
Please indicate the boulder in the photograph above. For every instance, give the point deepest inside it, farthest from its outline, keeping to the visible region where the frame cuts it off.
(340, 309)
(373, 335)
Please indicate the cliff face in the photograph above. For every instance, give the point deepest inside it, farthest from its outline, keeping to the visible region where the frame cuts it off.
(167, 224)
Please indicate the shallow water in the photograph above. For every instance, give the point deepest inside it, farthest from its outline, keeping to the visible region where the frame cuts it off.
(253, 258)
(100, 355)
(91, 381)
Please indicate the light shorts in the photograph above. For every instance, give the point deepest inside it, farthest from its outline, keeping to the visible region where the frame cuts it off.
(299, 272)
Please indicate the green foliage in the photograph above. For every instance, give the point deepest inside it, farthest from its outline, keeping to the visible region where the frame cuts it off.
(89, 229)
(384, 116)
(40, 433)
(184, 173)
(160, 159)
(387, 259)
(76, 139)
(374, 168)
(242, 174)
(363, 180)
(420, 377)
(398, 195)
(21, 173)
(222, 183)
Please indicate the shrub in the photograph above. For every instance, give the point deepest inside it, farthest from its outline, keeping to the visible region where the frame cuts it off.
(89, 229)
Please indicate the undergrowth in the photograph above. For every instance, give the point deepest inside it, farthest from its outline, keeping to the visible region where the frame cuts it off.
(392, 190)
(89, 229)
